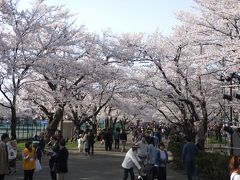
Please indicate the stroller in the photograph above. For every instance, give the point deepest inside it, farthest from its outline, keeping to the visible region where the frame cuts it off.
(149, 172)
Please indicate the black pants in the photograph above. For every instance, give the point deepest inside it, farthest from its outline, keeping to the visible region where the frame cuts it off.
(91, 148)
(2, 176)
(162, 173)
(126, 171)
(108, 146)
(116, 143)
(28, 174)
(53, 175)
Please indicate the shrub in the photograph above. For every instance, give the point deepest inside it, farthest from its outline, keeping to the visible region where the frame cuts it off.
(175, 145)
(212, 166)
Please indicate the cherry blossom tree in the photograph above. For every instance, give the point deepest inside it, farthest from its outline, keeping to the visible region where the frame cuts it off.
(28, 36)
(180, 92)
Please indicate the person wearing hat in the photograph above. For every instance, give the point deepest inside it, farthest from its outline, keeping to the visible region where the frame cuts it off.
(129, 161)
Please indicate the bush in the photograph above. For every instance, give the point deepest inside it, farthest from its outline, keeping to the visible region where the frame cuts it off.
(175, 145)
(212, 166)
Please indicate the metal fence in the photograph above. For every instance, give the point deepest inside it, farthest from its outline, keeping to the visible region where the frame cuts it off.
(24, 129)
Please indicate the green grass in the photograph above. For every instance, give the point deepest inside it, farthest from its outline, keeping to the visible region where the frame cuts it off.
(21, 145)
(69, 145)
(214, 141)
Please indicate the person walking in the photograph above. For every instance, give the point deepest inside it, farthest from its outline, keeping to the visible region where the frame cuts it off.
(3, 156)
(123, 138)
(117, 138)
(234, 168)
(42, 142)
(162, 162)
(189, 155)
(91, 141)
(61, 160)
(28, 161)
(52, 156)
(129, 161)
(151, 169)
(108, 139)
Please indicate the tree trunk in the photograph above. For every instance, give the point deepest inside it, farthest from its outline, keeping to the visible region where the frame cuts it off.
(13, 123)
(189, 130)
(114, 123)
(205, 120)
(53, 124)
(94, 125)
(107, 124)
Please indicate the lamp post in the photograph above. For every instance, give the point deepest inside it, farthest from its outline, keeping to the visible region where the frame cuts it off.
(229, 98)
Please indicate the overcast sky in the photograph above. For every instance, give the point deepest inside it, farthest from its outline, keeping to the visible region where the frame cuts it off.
(125, 15)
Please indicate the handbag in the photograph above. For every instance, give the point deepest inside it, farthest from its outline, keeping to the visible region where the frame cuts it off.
(38, 166)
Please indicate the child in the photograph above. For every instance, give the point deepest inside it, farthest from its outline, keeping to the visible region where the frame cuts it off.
(80, 143)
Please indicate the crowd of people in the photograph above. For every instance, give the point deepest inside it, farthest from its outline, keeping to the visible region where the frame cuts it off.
(108, 137)
(149, 155)
(147, 152)
(32, 154)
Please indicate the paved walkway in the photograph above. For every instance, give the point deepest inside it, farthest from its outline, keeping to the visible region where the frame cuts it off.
(102, 166)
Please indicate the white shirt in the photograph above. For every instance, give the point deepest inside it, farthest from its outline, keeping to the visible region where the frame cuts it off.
(130, 159)
(12, 153)
(235, 176)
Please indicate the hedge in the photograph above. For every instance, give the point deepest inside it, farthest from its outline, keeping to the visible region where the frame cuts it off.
(210, 166)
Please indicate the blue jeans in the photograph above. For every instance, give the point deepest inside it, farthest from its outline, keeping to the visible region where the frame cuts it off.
(191, 169)
(126, 171)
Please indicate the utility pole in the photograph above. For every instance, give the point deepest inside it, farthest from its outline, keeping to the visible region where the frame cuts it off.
(231, 117)
(229, 97)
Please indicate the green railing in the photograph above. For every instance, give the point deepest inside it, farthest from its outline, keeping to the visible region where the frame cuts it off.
(24, 129)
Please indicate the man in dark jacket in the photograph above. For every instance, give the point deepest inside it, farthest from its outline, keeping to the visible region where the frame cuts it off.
(91, 141)
(52, 156)
(61, 160)
(123, 138)
(108, 139)
(189, 154)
